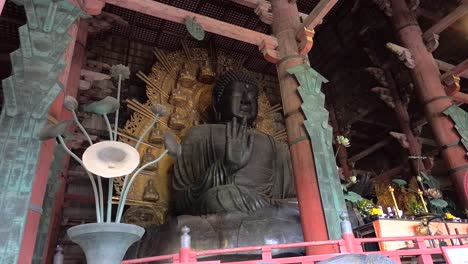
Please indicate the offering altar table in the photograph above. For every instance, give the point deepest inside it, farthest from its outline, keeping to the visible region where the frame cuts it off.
(404, 227)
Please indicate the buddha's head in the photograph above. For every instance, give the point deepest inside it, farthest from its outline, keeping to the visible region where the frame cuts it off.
(236, 95)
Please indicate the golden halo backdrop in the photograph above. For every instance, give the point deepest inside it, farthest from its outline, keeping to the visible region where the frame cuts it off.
(183, 82)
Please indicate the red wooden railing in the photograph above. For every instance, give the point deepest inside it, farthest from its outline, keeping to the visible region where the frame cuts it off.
(347, 244)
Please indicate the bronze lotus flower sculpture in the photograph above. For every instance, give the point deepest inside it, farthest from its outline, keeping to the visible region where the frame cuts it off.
(109, 158)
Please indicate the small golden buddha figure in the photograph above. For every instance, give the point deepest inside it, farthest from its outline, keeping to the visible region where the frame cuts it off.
(187, 75)
(156, 136)
(148, 157)
(207, 74)
(180, 96)
(177, 121)
(150, 193)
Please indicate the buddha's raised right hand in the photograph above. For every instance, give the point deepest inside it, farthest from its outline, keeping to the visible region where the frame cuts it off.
(239, 146)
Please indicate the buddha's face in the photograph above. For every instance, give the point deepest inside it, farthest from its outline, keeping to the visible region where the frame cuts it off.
(239, 100)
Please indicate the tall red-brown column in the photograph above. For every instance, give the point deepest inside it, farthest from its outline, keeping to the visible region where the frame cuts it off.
(433, 97)
(285, 24)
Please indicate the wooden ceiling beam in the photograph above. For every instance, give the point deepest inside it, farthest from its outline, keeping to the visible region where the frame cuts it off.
(248, 3)
(447, 67)
(178, 15)
(254, 3)
(447, 21)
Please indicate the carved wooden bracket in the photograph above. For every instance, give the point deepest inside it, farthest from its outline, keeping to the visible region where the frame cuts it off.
(306, 40)
(452, 84)
(263, 10)
(104, 22)
(385, 95)
(269, 52)
(403, 54)
(385, 6)
(378, 74)
(92, 7)
(432, 42)
(413, 4)
(402, 139)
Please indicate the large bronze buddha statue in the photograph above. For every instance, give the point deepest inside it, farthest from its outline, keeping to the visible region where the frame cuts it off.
(228, 166)
(233, 185)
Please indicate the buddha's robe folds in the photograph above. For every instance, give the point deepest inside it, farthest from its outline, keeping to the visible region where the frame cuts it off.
(203, 185)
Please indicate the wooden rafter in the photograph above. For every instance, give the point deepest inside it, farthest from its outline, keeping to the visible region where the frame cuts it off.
(371, 149)
(316, 15)
(460, 97)
(447, 67)
(457, 70)
(446, 21)
(178, 15)
(436, 17)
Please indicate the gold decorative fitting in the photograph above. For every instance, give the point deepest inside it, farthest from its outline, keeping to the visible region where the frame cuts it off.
(306, 41)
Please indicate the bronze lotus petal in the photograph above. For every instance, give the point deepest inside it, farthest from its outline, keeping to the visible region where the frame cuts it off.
(121, 70)
(54, 130)
(105, 106)
(173, 147)
(159, 109)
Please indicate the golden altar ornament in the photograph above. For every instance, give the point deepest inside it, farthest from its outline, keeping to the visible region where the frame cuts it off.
(397, 211)
(420, 194)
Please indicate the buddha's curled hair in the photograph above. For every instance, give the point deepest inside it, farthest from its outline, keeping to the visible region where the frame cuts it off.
(229, 77)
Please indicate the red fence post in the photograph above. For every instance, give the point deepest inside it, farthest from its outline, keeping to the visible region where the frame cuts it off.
(349, 244)
(266, 253)
(423, 259)
(185, 251)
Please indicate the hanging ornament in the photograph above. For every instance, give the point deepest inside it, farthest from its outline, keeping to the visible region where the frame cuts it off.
(195, 29)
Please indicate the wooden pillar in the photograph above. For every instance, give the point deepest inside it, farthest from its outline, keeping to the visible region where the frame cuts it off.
(46, 157)
(37, 80)
(404, 121)
(285, 24)
(432, 96)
